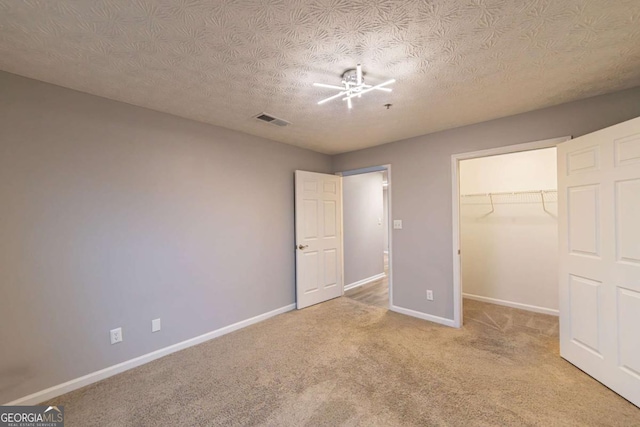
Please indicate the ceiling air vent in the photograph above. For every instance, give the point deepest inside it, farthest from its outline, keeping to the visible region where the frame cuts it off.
(268, 118)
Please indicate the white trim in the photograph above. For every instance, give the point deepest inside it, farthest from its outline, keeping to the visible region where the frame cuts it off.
(516, 148)
(512, 304)
(341, 234)
(457, 284)
(423, 316)
(364, 281)
(390, 232)
(455, 200)
(93, 377)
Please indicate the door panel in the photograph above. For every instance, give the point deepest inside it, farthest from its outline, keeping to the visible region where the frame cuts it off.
(310, 266)
(310, 215)
(318, 237)
(599, 229)
(584, 313)
(627, 150)
(330, 267)
(584, 233)
(330, 219)
(629, 319)
(583, 160)
(627, 216)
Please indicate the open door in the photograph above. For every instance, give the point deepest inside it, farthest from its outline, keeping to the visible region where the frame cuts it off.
(599, 228)
(318, 238)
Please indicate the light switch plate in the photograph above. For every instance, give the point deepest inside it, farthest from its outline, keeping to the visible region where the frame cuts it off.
(397, 224)
(155, 325)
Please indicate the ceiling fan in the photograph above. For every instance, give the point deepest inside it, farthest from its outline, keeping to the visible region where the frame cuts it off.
(353, 86)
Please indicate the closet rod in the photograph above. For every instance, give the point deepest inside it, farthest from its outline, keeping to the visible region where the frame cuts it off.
(510, 193)
(541, 193)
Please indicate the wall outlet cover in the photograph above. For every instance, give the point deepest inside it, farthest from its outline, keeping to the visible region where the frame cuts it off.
(155, 325)
(430, 295)
(397, 224)
(116, 335)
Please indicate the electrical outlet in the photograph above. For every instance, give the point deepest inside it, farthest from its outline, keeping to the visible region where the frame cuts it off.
(155, 325)
(116, 335)
(429, 295)
(397, 224)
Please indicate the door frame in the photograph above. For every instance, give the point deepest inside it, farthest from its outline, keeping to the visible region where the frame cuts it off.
(361, 171)
(455, 205)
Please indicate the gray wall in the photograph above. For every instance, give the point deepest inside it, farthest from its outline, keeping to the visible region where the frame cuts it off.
(363, 226)
(113, 215)
(422, 186)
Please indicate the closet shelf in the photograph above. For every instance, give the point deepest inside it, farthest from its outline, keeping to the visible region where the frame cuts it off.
(517, 197)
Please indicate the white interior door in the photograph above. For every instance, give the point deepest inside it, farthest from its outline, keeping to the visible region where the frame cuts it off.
(318, 238)
(599, 227)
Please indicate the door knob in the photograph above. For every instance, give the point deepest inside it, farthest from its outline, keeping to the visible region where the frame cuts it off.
(301, 247)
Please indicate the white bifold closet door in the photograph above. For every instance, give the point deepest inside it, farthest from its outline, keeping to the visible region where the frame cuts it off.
(599, 228)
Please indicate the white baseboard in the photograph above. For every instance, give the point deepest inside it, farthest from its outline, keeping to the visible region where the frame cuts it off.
(423, 316)
(512, 304)
(93, 377)
(364, 281)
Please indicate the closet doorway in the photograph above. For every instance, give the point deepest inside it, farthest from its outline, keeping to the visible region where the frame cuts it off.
(506, 229)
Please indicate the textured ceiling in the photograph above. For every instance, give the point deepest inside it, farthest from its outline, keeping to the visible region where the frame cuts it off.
(456, 61)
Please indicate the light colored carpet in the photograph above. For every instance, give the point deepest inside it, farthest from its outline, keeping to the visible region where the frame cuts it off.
(347, 363)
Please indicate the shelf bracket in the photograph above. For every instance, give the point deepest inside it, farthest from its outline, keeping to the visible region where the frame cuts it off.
(544, 206)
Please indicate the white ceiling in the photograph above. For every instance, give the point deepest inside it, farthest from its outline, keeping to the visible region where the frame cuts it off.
(222, 62)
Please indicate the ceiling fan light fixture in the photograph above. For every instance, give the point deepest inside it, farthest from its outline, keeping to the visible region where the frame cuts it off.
(358, 94)
(353, 86)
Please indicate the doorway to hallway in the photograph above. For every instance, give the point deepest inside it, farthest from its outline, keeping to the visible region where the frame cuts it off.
(366, 219)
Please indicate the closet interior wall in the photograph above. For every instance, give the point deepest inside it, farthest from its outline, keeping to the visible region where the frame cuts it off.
(509, 231)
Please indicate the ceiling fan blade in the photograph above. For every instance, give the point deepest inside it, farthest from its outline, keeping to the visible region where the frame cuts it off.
(332, 97)
(359, 74)
(328, 86)
(388, 82)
